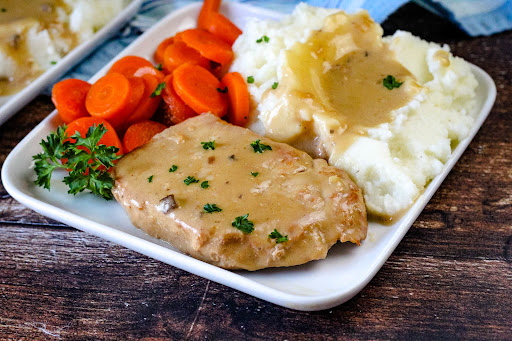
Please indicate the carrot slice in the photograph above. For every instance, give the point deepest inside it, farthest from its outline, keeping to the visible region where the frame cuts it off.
(222, 27)
(83, 124)
(134, 66)
(238, 95)
(147, 105)
(159, 53)
(179, 53)
(176, 110)
(141, 133)
(209, 6)
(209, 45)
(199, 89)
(69, 99)
(113, 97)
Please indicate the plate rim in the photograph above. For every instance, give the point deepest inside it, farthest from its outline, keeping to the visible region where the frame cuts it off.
(227, 277)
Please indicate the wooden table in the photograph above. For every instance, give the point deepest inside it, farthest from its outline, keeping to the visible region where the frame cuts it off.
(450, 277)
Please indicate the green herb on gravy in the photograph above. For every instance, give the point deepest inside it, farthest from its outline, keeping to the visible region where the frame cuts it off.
(255, 174)
(209, 145)
(190, 180)
(205, 184)
(210, 208)
(390, 82)
(150, 179)
(278, 237)
(173, 169)
(260, 147)
(243, 224)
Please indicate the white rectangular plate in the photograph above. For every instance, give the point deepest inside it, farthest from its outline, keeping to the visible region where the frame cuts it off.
(9, 105)
(313, 286)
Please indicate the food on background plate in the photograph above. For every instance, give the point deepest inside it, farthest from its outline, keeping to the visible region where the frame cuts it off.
(234, 199)
(388, 111)
(36, 34)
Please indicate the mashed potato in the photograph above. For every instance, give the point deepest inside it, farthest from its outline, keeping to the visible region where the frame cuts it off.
(35, 34)
(393, 160)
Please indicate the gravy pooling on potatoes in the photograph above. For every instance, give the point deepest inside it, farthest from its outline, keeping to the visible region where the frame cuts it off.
(16, 18)
(337, 76)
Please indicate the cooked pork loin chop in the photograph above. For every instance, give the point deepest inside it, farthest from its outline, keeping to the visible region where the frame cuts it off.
(312, 204)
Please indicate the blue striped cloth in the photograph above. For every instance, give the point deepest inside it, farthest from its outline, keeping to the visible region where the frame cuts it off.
(476, 17)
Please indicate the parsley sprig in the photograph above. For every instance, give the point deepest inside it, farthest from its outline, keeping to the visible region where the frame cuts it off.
(243, 224)
(278, 237)
(210, 208)
(209, 145)
(260, 147)
(88, 168)
(190, 180)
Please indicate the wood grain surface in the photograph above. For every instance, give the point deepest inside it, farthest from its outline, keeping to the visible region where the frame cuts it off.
(450, 277)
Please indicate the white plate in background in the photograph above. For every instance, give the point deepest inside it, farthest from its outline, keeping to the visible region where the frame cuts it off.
(314, 286)
(9, 105)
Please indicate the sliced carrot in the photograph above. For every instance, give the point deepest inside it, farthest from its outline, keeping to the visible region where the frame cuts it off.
(147, 105)
(159, 53)
(209, 45)
(134, 66)
(179, 53)
(113, 97)
(238, 112)
(83, 124)
(69, 99)
(141, 133)
(176, 110)
(209, 6)
(222, 27)
(199, 89)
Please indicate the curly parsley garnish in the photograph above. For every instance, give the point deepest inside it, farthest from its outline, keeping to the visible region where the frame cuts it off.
(88, 168)
(205, 184)
(209, 145)
(173, 169)
(255, 174)
(264, 38)
(150, 179)
(390, 82)
(158, 90)
(210, 208)
(243, 224)
(278, 237)
(250, 79)
(190, 180)
(260, 147)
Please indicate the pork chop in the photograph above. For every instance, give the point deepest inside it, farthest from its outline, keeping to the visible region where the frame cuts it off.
(237, 200)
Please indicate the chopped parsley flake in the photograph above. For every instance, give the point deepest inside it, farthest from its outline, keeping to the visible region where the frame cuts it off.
(243, 224)
(53, 62)
(250, 79)
(159, 67)
(150, 179)
(209, 145)
(260, 147)
(205, 184)
(264, 38)
(158, 90)
(275, 85)
(190, 180)
(390, 82)
(255, 174)
(173, 169)
(224, 91)
(210, 208)
(278, 237)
